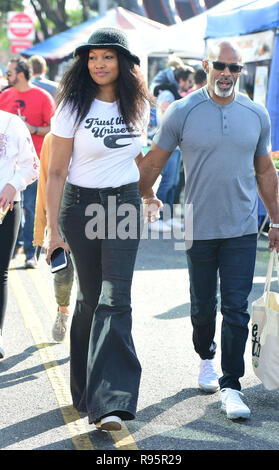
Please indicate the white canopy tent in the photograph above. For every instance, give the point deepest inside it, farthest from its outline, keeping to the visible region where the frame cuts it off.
(186, 39)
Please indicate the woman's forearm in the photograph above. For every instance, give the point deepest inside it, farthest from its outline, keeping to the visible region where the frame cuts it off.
(54, 190)
(60, 155)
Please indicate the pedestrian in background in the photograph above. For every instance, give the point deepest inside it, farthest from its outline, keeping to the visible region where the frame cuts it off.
(224, 140)
(35, 107)
(168, 73)
(166, 93)
(184, 78)
(96, 144)
(200, 80)
(39, 68)
(63, 279)
(19, 166)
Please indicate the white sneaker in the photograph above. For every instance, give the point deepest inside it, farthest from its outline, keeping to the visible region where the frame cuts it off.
(232, 404)
(60, 326)
(30, 263)
(2, 352)
(208, 377)
(109, 423)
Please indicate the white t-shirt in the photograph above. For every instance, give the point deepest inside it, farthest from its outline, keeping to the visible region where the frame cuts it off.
(19, 164)
(104, 149)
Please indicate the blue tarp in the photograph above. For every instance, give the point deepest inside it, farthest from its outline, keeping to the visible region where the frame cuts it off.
(60, 47)
(256, 16)
(142, 33)
(273, 95)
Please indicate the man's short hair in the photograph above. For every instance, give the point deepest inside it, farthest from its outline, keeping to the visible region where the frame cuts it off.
(21, 65)
(199, 76)
(38, 64)
(182, 73)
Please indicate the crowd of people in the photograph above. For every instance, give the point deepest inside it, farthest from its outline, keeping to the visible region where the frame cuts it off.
(86, 137)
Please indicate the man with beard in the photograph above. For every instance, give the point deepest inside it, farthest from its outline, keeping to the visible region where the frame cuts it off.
(224, 140)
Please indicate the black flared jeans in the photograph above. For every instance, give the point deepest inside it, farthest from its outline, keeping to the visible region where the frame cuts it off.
(102, 229)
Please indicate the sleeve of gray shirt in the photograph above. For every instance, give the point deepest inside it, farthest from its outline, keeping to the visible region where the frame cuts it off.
(264, 142)
(169, 133)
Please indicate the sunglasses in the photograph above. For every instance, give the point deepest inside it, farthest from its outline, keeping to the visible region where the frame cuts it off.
(8, 74)
(233, 68)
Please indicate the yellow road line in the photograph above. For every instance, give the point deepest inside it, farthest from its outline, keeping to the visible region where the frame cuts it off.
(123, 439)
(75, 425)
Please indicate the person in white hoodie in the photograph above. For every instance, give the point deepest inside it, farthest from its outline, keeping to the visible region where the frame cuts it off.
(19, 166)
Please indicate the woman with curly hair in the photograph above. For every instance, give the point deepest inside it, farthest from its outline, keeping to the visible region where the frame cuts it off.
(96, 144)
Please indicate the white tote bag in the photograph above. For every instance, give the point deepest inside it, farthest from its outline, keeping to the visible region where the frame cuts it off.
(265, 331)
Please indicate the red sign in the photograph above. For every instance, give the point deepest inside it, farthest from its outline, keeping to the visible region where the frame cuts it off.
(20, 26)
(18, 45)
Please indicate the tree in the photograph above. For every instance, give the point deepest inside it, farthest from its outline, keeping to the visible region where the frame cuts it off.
(55, 12)
(10, 5)
(53, 18)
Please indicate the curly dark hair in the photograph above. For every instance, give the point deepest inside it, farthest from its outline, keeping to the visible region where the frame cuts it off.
(78, 89)
(22, 65)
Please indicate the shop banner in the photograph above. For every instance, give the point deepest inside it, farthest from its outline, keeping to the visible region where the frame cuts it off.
(255, 47)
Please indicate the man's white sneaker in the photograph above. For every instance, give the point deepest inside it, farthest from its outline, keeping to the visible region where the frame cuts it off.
(232, 404)
(208, 377)
(109, 423)
(2, 352)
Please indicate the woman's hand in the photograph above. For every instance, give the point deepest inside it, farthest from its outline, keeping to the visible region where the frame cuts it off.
(151, 209)
(7, 196)
(54, 242)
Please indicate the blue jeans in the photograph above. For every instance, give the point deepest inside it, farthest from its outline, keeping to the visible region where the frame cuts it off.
(234, 258)
(170, 178)
(105, 371)
(29, 204)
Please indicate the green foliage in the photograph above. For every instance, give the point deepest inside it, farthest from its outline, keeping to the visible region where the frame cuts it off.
(11, 5)
(74, 17)
(4, 41)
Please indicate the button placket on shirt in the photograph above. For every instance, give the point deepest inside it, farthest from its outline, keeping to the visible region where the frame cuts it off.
(225, 123)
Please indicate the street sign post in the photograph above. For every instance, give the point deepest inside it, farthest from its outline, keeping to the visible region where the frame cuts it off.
(21, 31)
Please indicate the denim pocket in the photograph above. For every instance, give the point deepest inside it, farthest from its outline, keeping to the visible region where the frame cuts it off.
(68, 198)
(131, 196)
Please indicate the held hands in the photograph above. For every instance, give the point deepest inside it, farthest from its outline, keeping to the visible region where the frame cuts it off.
(53, 242)
(7, 197)
(151, 209)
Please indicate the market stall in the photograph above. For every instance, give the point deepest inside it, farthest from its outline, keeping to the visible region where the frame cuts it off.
(255, 29)
(141, 32)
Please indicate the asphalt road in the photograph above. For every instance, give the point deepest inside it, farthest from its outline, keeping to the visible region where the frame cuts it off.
(173, 413)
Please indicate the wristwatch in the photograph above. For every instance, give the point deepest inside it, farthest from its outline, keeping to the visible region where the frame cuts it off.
(271, 225)
(35, 130)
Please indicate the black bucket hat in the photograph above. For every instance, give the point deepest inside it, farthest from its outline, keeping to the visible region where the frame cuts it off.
(112, 38)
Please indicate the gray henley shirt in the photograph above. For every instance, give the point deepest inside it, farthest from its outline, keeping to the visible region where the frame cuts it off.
(218, 145)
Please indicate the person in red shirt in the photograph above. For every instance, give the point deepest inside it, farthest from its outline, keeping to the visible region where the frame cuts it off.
(35, 106)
